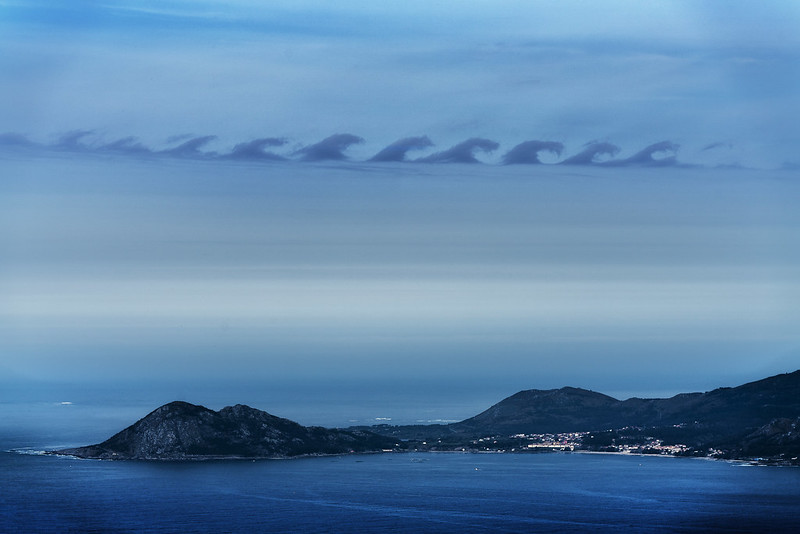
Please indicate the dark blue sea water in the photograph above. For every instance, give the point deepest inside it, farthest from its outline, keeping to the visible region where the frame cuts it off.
(444, 492)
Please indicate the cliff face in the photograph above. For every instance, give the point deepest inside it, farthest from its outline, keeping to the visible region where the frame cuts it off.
(183, 431)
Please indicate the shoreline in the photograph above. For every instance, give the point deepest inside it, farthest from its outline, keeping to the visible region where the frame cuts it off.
(754, 462)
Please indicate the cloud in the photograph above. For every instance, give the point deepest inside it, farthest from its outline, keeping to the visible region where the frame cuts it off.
(126, 145)
(189, 149)
(70, 141)
(596, 153)
(254, 150)
(790, 166)
(15, 140)
(397, 150)
(589, 155)
(462, 152)
(330, 148)
(645, 157)
(717, 145)
(528, 152)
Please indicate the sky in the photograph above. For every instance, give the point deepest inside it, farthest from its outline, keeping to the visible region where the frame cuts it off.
(364, 206)
(717, 78)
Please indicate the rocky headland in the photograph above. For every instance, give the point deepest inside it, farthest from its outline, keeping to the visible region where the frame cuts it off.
(184, 431)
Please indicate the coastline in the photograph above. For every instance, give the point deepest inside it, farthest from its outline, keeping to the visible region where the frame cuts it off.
(754, 462)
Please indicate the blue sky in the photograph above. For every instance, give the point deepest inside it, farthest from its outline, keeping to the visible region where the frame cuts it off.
(717, 78)
(152, 241)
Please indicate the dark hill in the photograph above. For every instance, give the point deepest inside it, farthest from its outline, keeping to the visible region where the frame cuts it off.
(571, 409)
(183, 431)
(755, 418)
(535, 410)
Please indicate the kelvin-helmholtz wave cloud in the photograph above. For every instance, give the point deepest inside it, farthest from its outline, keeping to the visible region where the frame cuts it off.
(334, 147)
(527, 152)
(126, 145)
(254, 150)
(191, 148)
(71, 141)
(397, 151)
(15, 140)
(661, 154)
(656, 155)
(463, 152)
(591, 154)
(331, 148)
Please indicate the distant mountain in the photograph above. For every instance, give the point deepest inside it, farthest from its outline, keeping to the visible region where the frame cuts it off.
(183, 431)
(553, 410)
(760, 418)
(573, 409)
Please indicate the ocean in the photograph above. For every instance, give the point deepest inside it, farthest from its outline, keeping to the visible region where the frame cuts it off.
(396, 492)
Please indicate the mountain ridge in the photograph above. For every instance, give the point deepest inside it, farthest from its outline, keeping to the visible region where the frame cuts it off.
(732, 422)
(528, 410)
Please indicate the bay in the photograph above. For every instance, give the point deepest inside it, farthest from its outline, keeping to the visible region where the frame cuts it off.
(397, 492)
(406, 492)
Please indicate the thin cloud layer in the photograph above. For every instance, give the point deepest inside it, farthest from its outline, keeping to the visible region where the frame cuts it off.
(463, 152)
(397, 150)
(719, 144)
(330, 148)
(254, 150)
(527, 152)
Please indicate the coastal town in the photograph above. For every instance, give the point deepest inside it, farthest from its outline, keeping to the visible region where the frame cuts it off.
(632, 441)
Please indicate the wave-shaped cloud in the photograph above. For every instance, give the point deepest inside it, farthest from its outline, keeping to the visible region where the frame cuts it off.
(330, 148)
(191, 148)
(718, 144)
(397, 150)
(463, 152)
(11, 139)
(647, 156)
(590, 154)
(254, 150)
(527, 152)
(70, 141)
(126, 145)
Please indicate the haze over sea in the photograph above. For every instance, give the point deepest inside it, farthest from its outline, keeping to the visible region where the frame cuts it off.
(376, 287)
